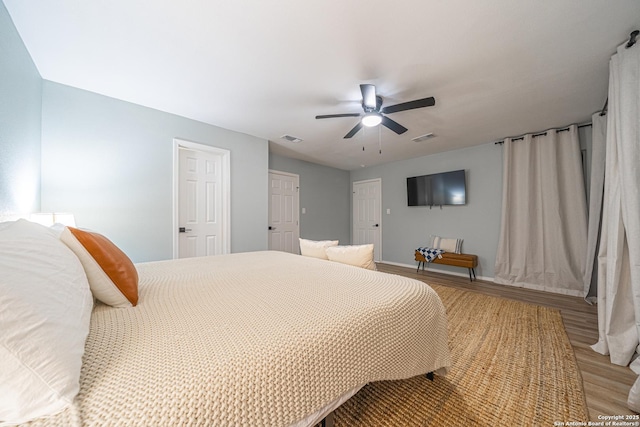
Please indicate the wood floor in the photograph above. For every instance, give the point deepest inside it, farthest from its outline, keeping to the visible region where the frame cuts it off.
(606, 386)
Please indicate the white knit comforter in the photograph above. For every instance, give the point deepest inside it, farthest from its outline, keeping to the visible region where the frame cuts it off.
(253, 339)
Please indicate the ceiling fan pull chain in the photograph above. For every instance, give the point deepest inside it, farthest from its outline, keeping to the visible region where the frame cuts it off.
(379, 140)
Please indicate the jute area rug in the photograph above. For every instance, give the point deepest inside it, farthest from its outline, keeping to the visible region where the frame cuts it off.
(513, 365)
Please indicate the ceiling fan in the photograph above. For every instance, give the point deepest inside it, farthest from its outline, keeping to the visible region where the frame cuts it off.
(374, 115)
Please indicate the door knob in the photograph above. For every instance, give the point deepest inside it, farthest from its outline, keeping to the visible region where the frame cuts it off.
(184, 230)
(376, 225)
(271, 228)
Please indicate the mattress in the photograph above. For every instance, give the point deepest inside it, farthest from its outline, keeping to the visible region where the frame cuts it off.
(256, 339)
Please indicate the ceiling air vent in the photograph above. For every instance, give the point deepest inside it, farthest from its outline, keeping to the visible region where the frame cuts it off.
(423, 137)
(291, 138)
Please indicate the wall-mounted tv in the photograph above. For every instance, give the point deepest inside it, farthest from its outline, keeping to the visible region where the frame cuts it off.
(447, 188)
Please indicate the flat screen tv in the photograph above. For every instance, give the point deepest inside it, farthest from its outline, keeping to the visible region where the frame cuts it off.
(447, 188)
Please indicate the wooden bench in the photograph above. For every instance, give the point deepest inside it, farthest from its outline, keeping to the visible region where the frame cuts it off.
(457, 260)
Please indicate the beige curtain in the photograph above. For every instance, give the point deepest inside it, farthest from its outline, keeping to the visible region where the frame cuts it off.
(619, 253)
(543, 234)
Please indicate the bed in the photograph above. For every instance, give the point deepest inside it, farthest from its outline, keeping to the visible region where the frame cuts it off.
(260, 339)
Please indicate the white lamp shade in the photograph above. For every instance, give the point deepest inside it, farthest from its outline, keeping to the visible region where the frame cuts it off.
(64, 218)
(371, 119)
(49, 218)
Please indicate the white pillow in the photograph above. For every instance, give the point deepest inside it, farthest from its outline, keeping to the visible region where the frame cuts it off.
(44, 321)
(316, 249)
(358, 255)
(446, 244)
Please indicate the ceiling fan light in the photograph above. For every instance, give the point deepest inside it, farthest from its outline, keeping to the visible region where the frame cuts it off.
(372, 119)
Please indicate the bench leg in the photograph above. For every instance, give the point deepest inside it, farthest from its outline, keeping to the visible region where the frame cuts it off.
(470, 279)
(418, 270)
(474, 273)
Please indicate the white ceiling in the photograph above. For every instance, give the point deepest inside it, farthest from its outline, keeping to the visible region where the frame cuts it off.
(266, 68)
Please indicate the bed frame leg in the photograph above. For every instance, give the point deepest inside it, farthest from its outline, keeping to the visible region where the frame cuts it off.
(327, 421)
(430, 376)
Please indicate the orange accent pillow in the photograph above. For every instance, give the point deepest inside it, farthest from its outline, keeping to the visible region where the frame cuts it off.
(113, 278)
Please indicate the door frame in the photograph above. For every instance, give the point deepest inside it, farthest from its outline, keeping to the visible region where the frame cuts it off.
(226, 190)
(269, 203)
(353, 219)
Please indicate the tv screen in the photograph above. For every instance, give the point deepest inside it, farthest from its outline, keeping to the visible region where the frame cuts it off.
(447, 188)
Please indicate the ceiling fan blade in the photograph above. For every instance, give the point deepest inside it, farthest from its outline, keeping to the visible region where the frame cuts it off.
(368, 96)
(353, 131)
(393, 125)
(332, 116)
(418, 103)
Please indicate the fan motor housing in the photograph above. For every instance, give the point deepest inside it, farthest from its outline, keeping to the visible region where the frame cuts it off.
(378, 105)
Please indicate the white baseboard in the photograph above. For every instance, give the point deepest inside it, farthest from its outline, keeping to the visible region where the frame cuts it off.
(451, 273)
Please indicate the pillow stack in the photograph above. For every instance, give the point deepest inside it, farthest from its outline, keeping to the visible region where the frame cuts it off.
(356, 255)
(316, 249)
(112, 276)
(48, 280)
(44, 322)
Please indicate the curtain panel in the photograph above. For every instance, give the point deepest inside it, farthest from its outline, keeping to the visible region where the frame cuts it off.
(619, 252)
(543, 234)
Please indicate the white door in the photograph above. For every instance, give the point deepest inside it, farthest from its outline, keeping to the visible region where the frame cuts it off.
(202, 203)
(284, 228)
(367, 224)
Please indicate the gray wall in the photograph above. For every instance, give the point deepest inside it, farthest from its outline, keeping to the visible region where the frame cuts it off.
(20, 112)
(477, 222)
(324, 193)
(110, 162)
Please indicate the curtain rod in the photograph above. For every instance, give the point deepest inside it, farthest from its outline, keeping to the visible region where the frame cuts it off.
(632, 38)
(604, 109)
(534, 134)
(631, 42)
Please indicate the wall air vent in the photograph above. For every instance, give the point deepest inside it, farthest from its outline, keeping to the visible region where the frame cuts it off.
(291, 138)
(423, 137)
